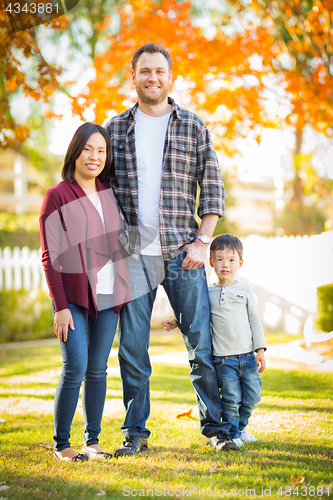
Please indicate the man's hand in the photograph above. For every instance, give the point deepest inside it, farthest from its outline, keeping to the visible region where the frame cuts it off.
(260, 360)
(196, 254)
(197, 251)
(62, 320)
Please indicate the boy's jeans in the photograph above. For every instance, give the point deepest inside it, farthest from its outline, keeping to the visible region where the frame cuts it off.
(188, 296)
(240, 385)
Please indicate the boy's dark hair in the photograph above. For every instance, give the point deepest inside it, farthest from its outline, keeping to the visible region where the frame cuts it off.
(227, 241)
(76, 146)
(151, 48)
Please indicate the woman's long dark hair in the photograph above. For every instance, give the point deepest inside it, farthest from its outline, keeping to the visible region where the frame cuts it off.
(76, 146)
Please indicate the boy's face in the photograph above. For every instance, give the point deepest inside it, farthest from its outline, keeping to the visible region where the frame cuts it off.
(226, 264)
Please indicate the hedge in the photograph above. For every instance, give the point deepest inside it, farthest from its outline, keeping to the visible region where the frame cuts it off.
(324, 321)
(25, 315)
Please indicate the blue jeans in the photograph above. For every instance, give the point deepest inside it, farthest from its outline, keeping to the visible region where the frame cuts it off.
(85, 356)
(240, 386)
(188, 295)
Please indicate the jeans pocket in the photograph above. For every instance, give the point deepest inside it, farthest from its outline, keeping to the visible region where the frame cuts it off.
(218, 361)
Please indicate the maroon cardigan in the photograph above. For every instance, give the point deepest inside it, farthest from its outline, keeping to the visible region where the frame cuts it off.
(75, 246)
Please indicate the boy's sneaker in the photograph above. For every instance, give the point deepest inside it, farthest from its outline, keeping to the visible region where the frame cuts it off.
(238, 441)
(221, 441)
(247, 437)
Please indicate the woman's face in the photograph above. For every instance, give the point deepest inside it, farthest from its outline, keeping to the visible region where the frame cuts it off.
(92, 159)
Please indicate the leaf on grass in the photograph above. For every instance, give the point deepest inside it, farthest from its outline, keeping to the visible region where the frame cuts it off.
(101, 493)
(215, 467)
(4, 487)
(297, 480)
(186, 414)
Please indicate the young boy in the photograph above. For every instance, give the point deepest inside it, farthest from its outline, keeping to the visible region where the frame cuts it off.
(237, 334)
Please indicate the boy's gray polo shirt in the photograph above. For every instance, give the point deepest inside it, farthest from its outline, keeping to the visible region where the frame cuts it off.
(236, 324)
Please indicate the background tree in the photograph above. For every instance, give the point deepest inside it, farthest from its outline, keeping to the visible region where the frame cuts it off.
(214, 76)
(303, 29)
(23, 69)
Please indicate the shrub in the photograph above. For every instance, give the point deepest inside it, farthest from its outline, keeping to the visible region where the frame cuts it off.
(25, 315)
(324, 320)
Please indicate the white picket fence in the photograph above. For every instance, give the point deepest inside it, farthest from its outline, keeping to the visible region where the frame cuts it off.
(21, 268)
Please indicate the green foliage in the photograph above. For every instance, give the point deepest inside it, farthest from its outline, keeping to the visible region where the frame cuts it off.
(224, 225)
(37, 147)
(298, 219)
(19, 238)
(24, 316)
(19, 231)
(324, 320)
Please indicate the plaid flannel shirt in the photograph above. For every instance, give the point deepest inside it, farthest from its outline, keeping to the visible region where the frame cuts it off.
(189, 158)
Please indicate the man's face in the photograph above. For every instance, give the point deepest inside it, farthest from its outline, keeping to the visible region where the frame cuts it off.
(152, 78)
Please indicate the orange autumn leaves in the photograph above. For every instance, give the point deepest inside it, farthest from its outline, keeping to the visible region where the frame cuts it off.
(224, 77)
(187, 414)
(211, 72)
(24, 69)
(304, 32)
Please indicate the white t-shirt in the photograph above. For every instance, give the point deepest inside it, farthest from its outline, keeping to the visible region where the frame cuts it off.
(149, 142)
(105, 277)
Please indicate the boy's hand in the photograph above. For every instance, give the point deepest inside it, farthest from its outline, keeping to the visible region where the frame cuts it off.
(260, 360)
(169, 324)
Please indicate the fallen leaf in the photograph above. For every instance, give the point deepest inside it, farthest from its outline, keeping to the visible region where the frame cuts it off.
(215, 467)
(101, 493)
(186, 414)
(4, 487)
(297, 480)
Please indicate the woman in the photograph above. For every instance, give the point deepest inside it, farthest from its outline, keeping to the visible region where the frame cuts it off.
(87, 280)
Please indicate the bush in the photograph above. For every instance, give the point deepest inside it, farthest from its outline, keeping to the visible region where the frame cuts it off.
(25, 315)
(324, 320)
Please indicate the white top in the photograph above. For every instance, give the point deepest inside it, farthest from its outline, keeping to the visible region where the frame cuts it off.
(105, 277)
(236, 324)
(149, 143)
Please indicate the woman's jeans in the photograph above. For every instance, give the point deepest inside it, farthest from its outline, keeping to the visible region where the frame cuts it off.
(85, 355)
(240, 385)
(188, 295)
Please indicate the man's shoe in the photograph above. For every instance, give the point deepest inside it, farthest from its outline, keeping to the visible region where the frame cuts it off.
(132, 445)
(221, 441)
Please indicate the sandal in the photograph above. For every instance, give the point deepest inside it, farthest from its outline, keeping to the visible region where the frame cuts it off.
(80, 457)
(96, 454)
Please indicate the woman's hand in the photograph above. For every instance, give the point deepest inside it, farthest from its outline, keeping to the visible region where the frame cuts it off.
(169, 324)
(62, 320)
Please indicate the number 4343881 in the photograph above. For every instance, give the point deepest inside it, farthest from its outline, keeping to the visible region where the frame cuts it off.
(33, 8)
(304, 491)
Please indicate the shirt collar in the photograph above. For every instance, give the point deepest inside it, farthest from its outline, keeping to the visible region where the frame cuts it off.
(176, 110)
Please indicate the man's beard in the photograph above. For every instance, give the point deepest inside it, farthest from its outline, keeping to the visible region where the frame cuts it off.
(152, 100)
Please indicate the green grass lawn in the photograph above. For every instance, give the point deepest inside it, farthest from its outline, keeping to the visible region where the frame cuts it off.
(292, 458)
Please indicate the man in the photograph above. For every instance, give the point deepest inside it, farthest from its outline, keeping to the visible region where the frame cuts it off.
(161, 152)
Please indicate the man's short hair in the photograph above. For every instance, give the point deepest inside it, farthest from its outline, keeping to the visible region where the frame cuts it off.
(224, 241)
(151, 48)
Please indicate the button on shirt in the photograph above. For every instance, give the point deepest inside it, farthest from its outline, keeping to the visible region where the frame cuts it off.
(189, 158)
